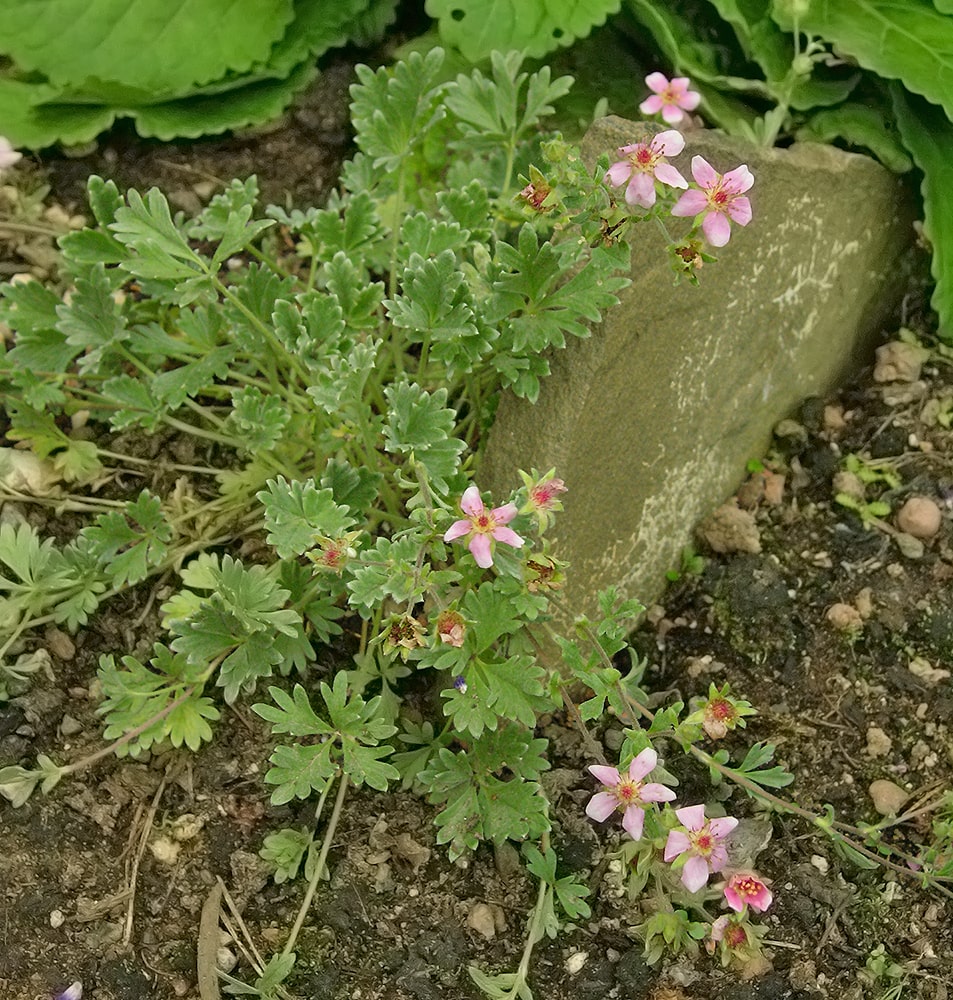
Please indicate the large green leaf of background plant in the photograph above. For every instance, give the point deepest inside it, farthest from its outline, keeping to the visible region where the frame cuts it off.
(534, 27)
(909, 41)
(159, 45)
(928, 135)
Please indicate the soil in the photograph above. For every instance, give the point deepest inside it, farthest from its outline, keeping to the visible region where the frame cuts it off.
(84, 898)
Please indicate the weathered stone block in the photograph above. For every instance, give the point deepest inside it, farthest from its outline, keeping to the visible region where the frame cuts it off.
(651, 420)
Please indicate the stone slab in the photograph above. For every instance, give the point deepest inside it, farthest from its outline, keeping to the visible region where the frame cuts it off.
(651, 420)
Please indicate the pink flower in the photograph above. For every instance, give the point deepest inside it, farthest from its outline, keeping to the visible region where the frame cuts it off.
(644, 163)
(746, 888)
(671, 97)
(701, 841)
(8, 155)
(720, 200)
(630, 795)
(479, 527)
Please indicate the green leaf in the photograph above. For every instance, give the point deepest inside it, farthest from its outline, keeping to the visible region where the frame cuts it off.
(478, 803)
(297, 512)
(858, 125)
(146, 227)
(491, 110)
(133, 541)
(758, 35)
(293, 715)
(928, 136)
(911, 42)
(239, 622)
(420, 423)
(32, 124)
(477, 27)
(393, 109)
(298, 771)
(257, 420)
(92, 321)
(190, 42)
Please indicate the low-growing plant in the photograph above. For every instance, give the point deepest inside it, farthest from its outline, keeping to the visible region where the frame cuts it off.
(315, 386)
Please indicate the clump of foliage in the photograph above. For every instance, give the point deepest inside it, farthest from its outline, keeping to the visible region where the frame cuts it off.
(194, 68)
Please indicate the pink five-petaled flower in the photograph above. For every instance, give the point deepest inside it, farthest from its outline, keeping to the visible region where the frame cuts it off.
(480, 526)
(643, 163)
(746, 888)
(671, 97)
(630, 794)
(701, 841)
(720, 199)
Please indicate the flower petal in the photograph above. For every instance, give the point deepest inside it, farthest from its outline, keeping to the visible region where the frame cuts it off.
(641, 190)
(670, 143)
(733, 899)
(716, 228)
(657, 82)
(692, 202)
(601, 806)
(482, 551)
(679, 84)
(633, 820)
(504, 514)
(739, 180)
(676, 844)
(508, 537)
(667, 174)
(607, 775)
(722, 826)
(739, 210)
(703, 172)
(652, 105)
(695, 874)
(471, 502)
(643, 764)
(692, 817)
(618, 173)
(457, 530)
(654, 792)
(672, 114)
(760, 900)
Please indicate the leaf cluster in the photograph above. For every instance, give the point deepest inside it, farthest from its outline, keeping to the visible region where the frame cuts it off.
(195, 68)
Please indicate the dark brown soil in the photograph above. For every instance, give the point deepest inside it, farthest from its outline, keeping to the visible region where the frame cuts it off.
(392, 922)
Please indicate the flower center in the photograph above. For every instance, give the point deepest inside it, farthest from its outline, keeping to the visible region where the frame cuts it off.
(483, 523)
(627, 792)
(746, 887)
(703, 842)
(719, 197)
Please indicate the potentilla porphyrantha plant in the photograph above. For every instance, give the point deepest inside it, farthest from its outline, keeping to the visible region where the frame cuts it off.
(316, 385)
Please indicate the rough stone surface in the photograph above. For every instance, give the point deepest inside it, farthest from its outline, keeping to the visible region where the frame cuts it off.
(651, 420)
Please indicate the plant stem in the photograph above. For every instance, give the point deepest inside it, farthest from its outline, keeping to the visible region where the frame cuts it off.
(319, 867)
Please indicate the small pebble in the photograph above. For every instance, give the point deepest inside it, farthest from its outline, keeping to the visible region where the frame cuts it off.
(820, 863)
(920, 517)
(731, 529)
(845, 617)
(56, 919)
(887, 797)
(878, 742)
(576, 961)
(925, 670)
(481, 919)
(70, 726)
(899, 362)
